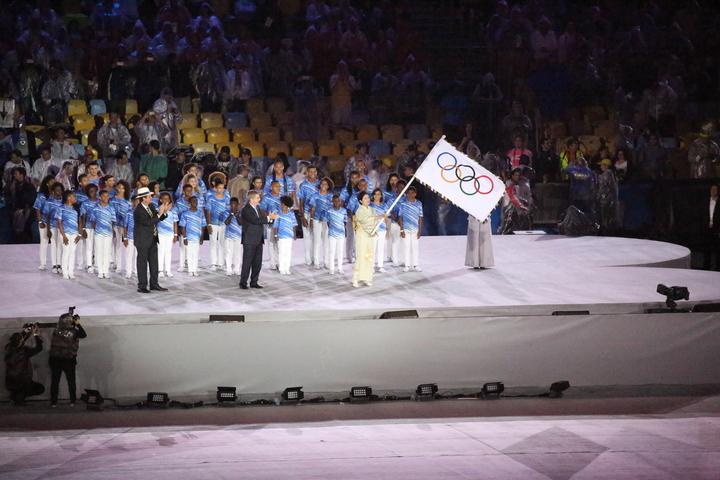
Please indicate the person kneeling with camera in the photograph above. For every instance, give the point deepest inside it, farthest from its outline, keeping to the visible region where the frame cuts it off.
(18, 367)
(63, 354)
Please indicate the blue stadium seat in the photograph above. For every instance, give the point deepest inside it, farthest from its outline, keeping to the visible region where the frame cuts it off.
(417, 132)
(378, 147)
(235, 120)
(97, 107)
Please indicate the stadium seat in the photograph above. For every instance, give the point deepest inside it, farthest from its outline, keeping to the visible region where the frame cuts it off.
(77, 107)
(400, 146)
(287, 134)
(210, 120)
(606, 129)
(253, 106)
(84, 135)
(261, 120)
(218, 135)
(188, 121)
(275, 105)
(346, 137)
(256, 148)
(268, 135)
(336, 169)
(34, 128)
(303, 149)
(195, 105)
(595, 114)
(274, 148)
(328, 148)
(591, 143)
(105, 117)
(81, 122)
(234, 148)
(348, 150)
(80, 149)
(365, 133)
(284, 119)
(243, 135)
(235, 120)
(74, 141)
(378, 147)
(201, 147)
(131, 107)
(97, 106)
(555, 130)
(392, 133)
(417, 132)
(323, 133)
(193, 135)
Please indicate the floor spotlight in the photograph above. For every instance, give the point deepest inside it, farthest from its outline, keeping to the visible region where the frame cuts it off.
(672, 294)
(557, 388)
(93, 399)
(293, 394)
(156, 399)
(426, 391)
(226, 395)
(493, 389)
(360, 394)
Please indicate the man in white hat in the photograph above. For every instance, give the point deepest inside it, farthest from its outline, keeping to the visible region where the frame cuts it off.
(146, 239)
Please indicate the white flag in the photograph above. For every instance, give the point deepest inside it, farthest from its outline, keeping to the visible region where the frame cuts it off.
(461, 180)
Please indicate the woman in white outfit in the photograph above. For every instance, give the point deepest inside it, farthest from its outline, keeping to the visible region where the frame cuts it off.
(479, 251)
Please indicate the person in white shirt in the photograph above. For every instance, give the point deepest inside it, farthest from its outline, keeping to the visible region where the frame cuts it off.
(16, 160)
(121, 169)
(61, 147)
(44, 165)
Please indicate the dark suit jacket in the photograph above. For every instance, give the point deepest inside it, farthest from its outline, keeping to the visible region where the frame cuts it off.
(144, 234)
(716, 215)
(252, 227)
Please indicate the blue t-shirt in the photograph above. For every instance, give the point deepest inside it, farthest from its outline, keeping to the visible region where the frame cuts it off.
(51, 205)
(80, 196)
(181, 205)
(270, 203)
(122, 210)
(345, 197)
(306, 192)
(336, 222)
(193, 223)
(70, 220)
(130, 224)
(411, 212)
(165, 226)
(321, 203)
(380, 210)
(287, 186)
(104, 217)
(353, 203)
(217, 208)
(86, 210)
(233, 231)
(94, 182)
(285, 225)
(396, 208)
(40, 202)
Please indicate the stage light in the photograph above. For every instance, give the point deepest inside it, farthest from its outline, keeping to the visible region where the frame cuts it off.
(360, 394)
(226, 394)
(293, 394)
(493, 388)
(426, 391)
(557, 388)
(672, 294)
(93, 399)
(156, 399)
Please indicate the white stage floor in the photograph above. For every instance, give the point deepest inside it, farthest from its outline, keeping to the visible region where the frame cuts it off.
(533, 275)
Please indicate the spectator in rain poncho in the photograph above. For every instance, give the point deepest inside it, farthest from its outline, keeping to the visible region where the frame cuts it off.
(518, 203)
(209, 81)
(608, 203)
(583, 186)
(306, 95)
(55, 97)
(169, 114)
(703, 154)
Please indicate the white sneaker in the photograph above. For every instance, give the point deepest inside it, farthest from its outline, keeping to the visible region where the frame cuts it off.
(382, 270)
(213, 268)
(237, 273)
(228, 273)
(128, 276)
(55, 270)
(161, 274)
(72, 277)
(417, 268)
(341, 272)
(42, 267)
(181, 269)
(66, 277)
(90, 269)
(169, 274)
(288, 272)
(355, 284)
(406, 269)
(368, 284)
(100, 275)
(331, 272)
(395, 264)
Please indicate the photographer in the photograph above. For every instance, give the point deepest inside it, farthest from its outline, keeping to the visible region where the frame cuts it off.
(63, 354)
(18, 368)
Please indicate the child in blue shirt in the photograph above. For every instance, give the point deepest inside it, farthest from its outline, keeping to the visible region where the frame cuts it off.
(383, 232)
(307, 190)
(193, 226)
(86, 219)
(271, 203)
(233, 238)
(336, 218)
(395, 238)
(52, 203)
(216, 206)
(319, 204)
(104, 219)
(129, 241)
(410, 221)
(167, 235)
(68, 220)
(284, 233)
(122, 205)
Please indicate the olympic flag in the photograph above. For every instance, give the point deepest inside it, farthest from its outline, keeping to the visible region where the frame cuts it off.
(460, 180)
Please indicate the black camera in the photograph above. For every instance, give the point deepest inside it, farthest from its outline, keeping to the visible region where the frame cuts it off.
(29, 325)
(672, 294)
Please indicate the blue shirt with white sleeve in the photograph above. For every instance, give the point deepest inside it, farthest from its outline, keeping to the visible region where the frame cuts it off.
(70, 220)
(233, 230)
(306, 191)
(193, 223)
(51, 205)
(217, 208)
(411, 212)
(104, 218)
(270, 203)
(285, 225)
(321, 203)
(336, 222)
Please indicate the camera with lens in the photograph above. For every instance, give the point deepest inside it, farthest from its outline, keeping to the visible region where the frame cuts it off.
(71, 311)
(29, 325)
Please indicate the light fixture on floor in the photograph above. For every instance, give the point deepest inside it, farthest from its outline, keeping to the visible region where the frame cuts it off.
(493, 389)
(360, 394)
(557, 388)
(93, 399)
(426, 391)
(157, 399)
(293, 394)
(672, 294)
(226, 395)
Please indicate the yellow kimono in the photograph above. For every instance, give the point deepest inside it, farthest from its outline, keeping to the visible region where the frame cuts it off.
(364, 222)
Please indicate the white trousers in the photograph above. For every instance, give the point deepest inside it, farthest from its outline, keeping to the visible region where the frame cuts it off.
(118, 247)
(284, 246)
(272, 247)
(350, 241)
(395, 242)
(56, 246)
(335, 253)
(130, 259)
(44, 242)
(193, 256)
(321, 246)
(410, 248)
(309, 241)
(80, 254)
(89, 247)
(103, 250)
(233, 256)
(68, 257)
(165, 243)
(217, 245)
(380, 242)
(183, 253)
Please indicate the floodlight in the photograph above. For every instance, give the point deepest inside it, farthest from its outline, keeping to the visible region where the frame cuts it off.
(157, 399)
(360, 394)
(493, 388)
(93, 399)
(293, 394)
(557, 388)
(226, 394)
(426, 391)
(672, 294)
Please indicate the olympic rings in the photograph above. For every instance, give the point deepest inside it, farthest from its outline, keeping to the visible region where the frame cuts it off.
(463, 179)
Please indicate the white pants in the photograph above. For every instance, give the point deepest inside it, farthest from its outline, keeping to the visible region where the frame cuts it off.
(165, 243)
(193, 256)
(103, 250)
(380, 242)
(321, 246)
(80, 254)
(89, 247)
(410, 248)
(68, 257)
(130, 258)
(44, 242)
(233, 256)
(183, 253)
(284, 246)
(217, 245)
(309, 241)
(118, 247)
(55, 246)
(350, 241)
(272, 247)
(395, 241)
(335, 253)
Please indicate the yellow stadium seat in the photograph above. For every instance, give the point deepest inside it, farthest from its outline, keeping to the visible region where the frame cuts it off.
(287, 134)
(400, 146)
(211, 120)
(201, 147)
(234, 148)
(346, 137)
(591, 143)
(131, 107)
(195, 105)
(188, 121)
(256, 148)
(34, 128)
(261, 120)
(276, 147)
(84, 135)
(392, 133)
(367, 132)
(275, 105)
(77, 107)
(242, 135)
(323, 133)
(284, 119)
(81, 122)
(328, 147)
(73, 140)
(218, 135)
(193, 135)
(303, 149)
(253, 106)
(38, 142)
(348, 150)
(268, 135)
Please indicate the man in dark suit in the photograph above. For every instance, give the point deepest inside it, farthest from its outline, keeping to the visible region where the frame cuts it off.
(252, 240)
(711, 223)
(146, 239)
